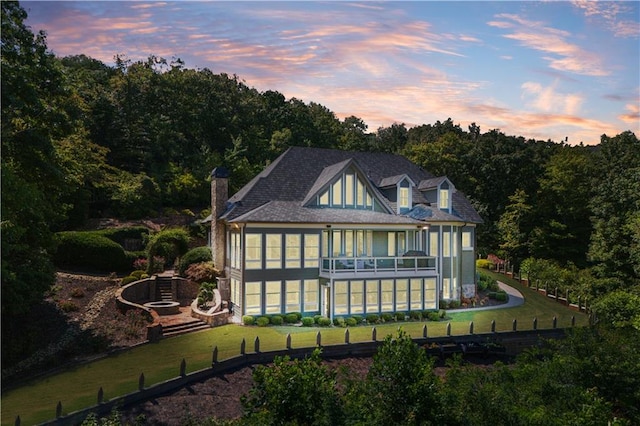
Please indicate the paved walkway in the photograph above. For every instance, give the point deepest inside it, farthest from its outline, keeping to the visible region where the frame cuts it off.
(515, 299)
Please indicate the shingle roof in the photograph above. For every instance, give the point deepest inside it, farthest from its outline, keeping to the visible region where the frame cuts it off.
(279, 192)
(431, 183)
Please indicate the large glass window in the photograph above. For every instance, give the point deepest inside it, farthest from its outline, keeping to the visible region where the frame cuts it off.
(416, 293)
(337, 244)
(336, 191)
(235, 254)
(311, 293)
(273, 293)
(324, 198)
(292, 250)
(253, 298)
(433, 244)
(401, 295)
(391, 243)
(386, 295)
(325, 244)
(467, 243)
(311, 250)
(429, 293)
(340, 297)
(273, 251)
(348, 190)
(293, 295)
(446, 288)
(253, 251)
(348, 243)
(446, 244)
(235, 292)
(360, 193)
(372, 295)
(357, 297)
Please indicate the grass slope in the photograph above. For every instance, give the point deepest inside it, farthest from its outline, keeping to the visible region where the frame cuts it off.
(117, 375)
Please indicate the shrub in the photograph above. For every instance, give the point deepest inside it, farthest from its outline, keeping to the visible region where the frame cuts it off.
(128, 280)
(359, 318)
(373, 318)
(262, 321)
(351, 322)
(453, 304)
(415, 315)
(291, 318)
(442, 313)
(484, 264)
(443, 304)
(206, 294)
(126, 236)
(298, 315)
(433, 316)
(248, 320)
(425, 314)
(89, 250)
(138, 274)
(316, 318)
(168, 244)
(276, 320)
(400, 316)
(196, 255)
(200, 272)
(141, 263)
(339, 322)
(324, 322)
(308, 321)
(502, 296)
(77, 292)
(68, 306)
(387, 317)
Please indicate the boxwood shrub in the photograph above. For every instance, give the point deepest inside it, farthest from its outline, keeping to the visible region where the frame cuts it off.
(262, 321)
(339, 322)
(373, 318)
(195, 255)
(316, 318)
(276, 320)
(89, 250)
(433, 316)
(248, 320)
(291, 318)
(308, 322)
(400, 316)
(324, 322)
(387, 317)
(351, 322)
(415, 315)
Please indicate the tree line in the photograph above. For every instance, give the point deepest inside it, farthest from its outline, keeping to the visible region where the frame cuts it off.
(82, 139)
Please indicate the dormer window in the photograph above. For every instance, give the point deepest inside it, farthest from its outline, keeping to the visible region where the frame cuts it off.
(444, 195)
(403, 198)
(444, 199)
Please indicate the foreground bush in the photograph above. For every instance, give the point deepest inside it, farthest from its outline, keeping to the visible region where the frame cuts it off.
(89, 250)
(196, 255)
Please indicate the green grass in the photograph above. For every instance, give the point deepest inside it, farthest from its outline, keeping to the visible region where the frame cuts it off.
(117, 375)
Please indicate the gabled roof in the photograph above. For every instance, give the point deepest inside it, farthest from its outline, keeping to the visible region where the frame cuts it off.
(432, 183)
(279, 193)
(394, 180)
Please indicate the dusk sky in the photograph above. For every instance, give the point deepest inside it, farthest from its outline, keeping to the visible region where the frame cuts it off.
(543, 70)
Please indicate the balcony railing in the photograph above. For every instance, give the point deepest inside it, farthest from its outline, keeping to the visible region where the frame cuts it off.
(410, 265)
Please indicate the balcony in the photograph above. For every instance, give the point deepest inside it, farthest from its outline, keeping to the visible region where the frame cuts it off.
(368, 267)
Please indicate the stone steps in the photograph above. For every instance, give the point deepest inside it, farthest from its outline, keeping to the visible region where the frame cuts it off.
(186, 327)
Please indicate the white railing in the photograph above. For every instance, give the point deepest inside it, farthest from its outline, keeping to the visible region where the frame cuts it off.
(378, 265)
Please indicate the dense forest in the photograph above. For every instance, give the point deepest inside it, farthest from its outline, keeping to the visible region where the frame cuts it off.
(81, 139)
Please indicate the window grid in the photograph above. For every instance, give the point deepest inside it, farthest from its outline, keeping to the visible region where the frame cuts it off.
(292, 250)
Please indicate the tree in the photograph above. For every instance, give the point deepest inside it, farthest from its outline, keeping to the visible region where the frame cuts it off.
(400, 388)
(514, 227)
(299, 392)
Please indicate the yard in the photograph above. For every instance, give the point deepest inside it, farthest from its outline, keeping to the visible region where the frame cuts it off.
(118, 374)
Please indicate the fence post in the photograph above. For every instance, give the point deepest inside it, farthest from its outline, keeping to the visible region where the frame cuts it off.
(100, 395)
(555, 322)
(573, 320)
(493, 326)
(141, 382)
(288, 341)
(515, 324)
(471, 327)
(214, 355)
(243, 346)
(59, 410)
(374, 334)
(256, 345)
(346, 336)
(424, 331)
(448, 329)
(17, 422)
(319, 339)
(183, 368)
(535, 323)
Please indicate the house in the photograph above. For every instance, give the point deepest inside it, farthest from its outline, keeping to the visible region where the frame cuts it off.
(341, 233)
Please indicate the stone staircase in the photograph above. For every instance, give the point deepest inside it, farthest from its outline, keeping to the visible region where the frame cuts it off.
(185, 327)
(163, 286)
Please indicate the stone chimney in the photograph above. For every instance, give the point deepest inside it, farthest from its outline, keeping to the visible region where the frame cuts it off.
(219, 197)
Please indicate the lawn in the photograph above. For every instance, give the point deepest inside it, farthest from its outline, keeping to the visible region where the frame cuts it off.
(117, 375)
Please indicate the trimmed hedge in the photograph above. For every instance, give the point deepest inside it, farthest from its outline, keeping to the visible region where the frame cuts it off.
(262, 321)
(196, 255)
(276, 320)
(248, 320)
(308, 322)
(292, 318)
(90, 250)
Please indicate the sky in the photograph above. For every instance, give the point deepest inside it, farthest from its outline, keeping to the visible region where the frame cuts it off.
(558, 70)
